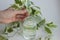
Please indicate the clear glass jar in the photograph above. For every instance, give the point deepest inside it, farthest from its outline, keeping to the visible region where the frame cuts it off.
(29, 28)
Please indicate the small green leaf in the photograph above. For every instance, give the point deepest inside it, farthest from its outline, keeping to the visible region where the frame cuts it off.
(9, 30)
(41, 23)
(15, 25)
(32, 3)
(18, 2)
(33, 11)
(15, 6)
(51, 25)
(18, 25)
(48, 30)
(37, 12)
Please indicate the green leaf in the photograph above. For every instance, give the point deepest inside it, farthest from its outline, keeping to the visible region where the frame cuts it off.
(51, 25)
(18, 2)
(48, 30)
(9, 30)
(18, 24)
(15, 6)
(41, 23)
(32, 3)
(15, 25)
(33, 11)
(37, 12)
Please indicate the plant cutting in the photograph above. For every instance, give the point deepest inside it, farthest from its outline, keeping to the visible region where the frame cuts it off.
(31, 23)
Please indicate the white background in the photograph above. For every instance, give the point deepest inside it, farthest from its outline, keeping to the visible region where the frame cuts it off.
(49, 8)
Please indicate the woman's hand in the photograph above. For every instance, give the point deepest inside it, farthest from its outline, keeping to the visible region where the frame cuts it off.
(11, 15)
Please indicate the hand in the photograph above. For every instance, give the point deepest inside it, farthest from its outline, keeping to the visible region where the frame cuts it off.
(11, 15)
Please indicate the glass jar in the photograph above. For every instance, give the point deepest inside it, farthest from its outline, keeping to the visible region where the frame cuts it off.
(29, 28)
